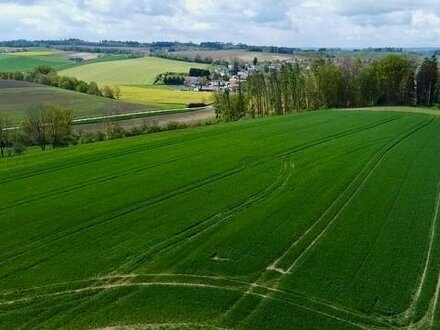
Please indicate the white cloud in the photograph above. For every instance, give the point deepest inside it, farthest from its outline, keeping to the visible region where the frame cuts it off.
(296, 23)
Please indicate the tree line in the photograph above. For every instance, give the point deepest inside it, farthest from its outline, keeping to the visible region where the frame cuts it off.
(47, 75)
(51, 125)
(394, 81)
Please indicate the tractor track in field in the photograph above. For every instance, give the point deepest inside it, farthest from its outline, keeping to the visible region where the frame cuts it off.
(216, 220)
(134, 150)
(229, 214)
(86, 183)
(428, 318)
(416, 297)
(273, 266)
(147, 148)
(333, 137)
(382, 154)
(234, 286)
(117, 175)
(124, 211)
(154, 200)
(106, 287)
(339, 135)
(159, 326)
(106, 156)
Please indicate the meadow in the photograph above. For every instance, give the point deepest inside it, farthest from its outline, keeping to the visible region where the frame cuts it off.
(139, 71)
(19, 97)
(322, 220)
(26, 61)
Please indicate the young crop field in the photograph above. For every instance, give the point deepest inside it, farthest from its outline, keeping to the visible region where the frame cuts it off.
(18, 97)
(140, 71)
(323, 220)
(27, 61)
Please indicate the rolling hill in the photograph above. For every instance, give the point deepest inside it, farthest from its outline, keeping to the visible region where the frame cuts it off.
(140, 71)
(27, 61)
(18, 97)
(323, 220)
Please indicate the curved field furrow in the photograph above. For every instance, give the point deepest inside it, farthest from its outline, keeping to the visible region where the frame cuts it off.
(111, 217)
(213, 222)
(134, 150)
(130, 281)
(143, 204)
(363, 175)
(94, 181)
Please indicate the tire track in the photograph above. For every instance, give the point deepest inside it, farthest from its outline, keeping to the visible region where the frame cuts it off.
(93, 223)
(182, 190)
(112, 286)
(273, 266)
(141, 148)
(374, 163)
(84, 184)
(215, 221)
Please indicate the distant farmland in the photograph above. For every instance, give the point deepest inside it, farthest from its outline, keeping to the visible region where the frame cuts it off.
(324, 220)
(27, 61)
(18, 97)
(230, 55)
(140, 71)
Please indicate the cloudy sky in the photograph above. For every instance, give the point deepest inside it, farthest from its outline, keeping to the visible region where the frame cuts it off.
(295, 23)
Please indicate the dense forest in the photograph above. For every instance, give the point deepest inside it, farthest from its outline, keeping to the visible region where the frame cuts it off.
(394, 80)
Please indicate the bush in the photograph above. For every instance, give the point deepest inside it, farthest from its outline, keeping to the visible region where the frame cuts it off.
(174, 125)
(196, 105)
(151, 126)
(18, 147)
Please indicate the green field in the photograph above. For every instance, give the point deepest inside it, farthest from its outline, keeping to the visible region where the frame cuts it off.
(18, 97)
(324, 220)
(29, 60)
(140, 71)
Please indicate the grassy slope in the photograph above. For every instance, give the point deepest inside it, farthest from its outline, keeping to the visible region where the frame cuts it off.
(29, 61)
(175, 228)
(141, 71)
(19, 97)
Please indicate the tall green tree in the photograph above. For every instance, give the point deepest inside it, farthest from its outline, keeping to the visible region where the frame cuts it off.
(48, 124)
(396, 80)
(427, 78)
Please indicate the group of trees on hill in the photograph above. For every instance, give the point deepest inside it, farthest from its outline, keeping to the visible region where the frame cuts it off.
(46, 75)
(394, 80)
(47, 124)
(170, 78)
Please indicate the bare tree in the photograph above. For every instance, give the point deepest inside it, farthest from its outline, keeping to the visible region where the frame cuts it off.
(5, 124)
